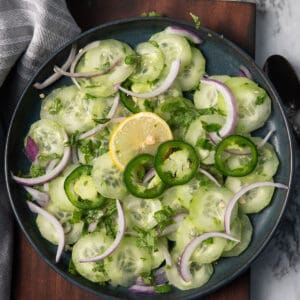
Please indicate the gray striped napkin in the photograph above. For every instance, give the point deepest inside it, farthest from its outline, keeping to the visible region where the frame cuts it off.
(30, 30)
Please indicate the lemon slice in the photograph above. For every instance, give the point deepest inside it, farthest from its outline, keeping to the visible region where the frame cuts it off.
(140, 133)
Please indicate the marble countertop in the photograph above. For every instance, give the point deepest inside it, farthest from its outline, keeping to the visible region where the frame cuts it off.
(275, 275)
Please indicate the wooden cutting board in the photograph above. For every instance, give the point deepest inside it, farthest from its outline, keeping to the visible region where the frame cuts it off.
(32, 278)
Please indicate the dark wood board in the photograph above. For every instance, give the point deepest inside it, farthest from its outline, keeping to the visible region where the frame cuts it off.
(33, 279)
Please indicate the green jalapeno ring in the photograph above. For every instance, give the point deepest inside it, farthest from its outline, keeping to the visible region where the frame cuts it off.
(171, 175)
(134, 174)
(239, 141)
(83, 173)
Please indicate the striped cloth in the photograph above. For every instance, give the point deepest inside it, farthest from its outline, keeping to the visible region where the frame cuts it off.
(30, 30)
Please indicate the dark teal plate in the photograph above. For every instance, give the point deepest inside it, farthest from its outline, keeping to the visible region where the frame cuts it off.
(222, 58)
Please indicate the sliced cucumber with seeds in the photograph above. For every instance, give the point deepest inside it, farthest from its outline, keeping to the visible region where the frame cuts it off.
(190, 76)
(256, 199)
(140, 212)
(88, 246)
(109, 53)
(107, 178)
(246, 236)
(76, 111)
(50, 138)
(173, 47)
(254, 104)
(127, 263)
(150, 63)
(208, 207)
(236, 232)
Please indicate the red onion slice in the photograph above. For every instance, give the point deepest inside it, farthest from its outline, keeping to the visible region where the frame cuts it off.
(173, 227)
(244, 72)
(184, 267)
(142, 289)
(62, 72)
(165, 252)
(92, 226)
(118, 239)
(211, 177)
(149, 176)
(31, 149)
(184, 32)
(243, 191)
(41, 198)
(48, 176)
(159, 277)
(266, 138)
(54, 77)
(110, 116)
(174, 69)
(231, 109)
(58, 227)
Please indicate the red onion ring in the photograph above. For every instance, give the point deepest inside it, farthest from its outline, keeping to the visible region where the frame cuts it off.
(54, 77)
(231, 109)
(48, 176)
(184, 268)
(84, 75)
(58, 227)
(142, 289)
(149, 175)
(211, 177)
(165, 252)
(174, 69)
(31, 149)
(110, 116)
(92, 226)
(42, 198)
(244, 72)
(266, 138)
(159, 277)
(173, 227)
(184, 32)
(243, 191)
(118, 239)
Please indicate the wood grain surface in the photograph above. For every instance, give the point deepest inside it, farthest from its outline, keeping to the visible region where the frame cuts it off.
(32, 278)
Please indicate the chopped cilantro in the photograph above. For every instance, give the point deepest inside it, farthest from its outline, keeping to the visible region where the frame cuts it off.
(196, 20)
(148, 278)
(150, 14)
(99, 267)
(55, 106)
(36, 170)
(205, 144)
(101, 121)
(106, 65)
(260, 99)
(164, 217)
(131, 59)
(73, 139)
(72, 268)
(89, 96)
(162, 289)
(45, 158)
(146, 238)
(213, 127)
(150, 105)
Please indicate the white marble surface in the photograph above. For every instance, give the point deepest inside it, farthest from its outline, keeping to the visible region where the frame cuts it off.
(275, 275)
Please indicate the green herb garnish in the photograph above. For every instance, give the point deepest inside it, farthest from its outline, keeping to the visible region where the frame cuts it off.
(196, 20)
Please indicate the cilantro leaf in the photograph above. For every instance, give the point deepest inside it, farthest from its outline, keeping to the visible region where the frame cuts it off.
(55, 106)
(164, 217)
(146, 238)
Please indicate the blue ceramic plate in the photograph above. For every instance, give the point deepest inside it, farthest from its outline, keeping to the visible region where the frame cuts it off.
(222, 57)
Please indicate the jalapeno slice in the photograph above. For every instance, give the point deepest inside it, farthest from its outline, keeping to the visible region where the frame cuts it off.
(236, 156)
(176, 162)
(134, 177)
(80, 189)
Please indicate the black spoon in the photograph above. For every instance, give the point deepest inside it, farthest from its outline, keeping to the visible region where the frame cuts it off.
(287, 84)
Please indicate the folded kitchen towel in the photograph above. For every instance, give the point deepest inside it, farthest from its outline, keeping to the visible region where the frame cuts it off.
(30, 30)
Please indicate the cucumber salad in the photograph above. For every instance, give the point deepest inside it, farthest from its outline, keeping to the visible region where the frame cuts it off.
(145, 168)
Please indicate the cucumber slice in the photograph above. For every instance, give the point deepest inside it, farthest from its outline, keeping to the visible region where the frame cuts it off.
(254, 105)
(201, 274)
(72, 231)
(108, 53)
(77, 111)
(58, 195)
(157, 256)
(208, 207)
(150, 63)
(235, 231)
(247, 231)
(190, 76)
(127, 263)
(209, 251)
(140, 212)
(253, 201)
(88, 246)
(173, 47)
(107, 178)
(50, 139)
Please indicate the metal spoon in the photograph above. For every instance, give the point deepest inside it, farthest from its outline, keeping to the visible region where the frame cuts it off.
(287, 84)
